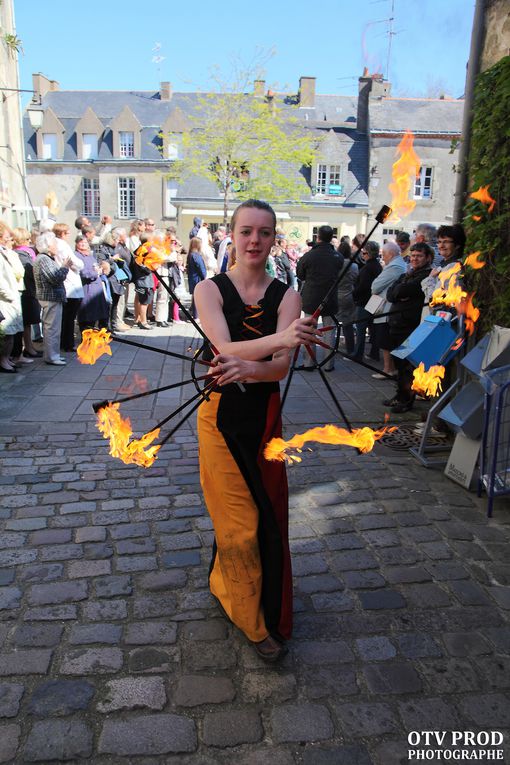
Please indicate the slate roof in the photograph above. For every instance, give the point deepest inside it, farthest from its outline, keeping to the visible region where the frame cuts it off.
(416, 114)
(331, 112)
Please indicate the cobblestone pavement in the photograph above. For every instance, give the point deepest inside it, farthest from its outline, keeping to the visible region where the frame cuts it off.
(112, 650)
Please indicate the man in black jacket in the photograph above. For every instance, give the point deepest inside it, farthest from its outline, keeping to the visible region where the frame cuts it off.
(361, 295)
(318, 269)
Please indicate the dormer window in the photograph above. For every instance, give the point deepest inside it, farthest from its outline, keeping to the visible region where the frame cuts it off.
(172, 151)
(89, 146)
(126, 144)
(329, 180)
(49, 146)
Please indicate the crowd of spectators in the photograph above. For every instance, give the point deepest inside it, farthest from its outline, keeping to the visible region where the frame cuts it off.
(53, 288)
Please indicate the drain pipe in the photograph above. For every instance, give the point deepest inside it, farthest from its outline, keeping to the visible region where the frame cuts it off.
(473, 68)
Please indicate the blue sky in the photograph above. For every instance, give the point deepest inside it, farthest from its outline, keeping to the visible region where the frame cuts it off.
(108, 45)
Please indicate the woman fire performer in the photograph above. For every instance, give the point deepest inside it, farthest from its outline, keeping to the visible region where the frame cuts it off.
(254, 322)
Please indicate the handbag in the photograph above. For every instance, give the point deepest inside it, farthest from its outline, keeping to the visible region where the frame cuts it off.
(375, 305)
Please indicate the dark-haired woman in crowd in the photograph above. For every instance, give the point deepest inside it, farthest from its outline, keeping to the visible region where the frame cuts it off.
(197, 271)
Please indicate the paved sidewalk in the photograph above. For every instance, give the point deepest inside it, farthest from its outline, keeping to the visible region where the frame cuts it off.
(112, 650)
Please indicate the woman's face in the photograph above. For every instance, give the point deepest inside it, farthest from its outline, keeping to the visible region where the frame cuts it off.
(253, 236)
(83, 247)
(6, 238)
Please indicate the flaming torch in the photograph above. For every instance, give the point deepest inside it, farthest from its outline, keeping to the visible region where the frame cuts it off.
(482, 195)
(473, 261)
(362, 439)
(403, 173)
(149, 256)
(428, 383)
(94, 344)
(118, 430)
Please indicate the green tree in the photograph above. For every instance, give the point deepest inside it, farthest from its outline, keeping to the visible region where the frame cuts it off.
(248, 146)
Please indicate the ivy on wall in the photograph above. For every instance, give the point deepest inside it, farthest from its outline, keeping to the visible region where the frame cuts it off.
(489, 163)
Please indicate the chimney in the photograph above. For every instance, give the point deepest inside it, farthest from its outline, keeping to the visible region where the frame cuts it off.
(259, 87)
(307, 92)
(41, 86)
(165, 91)
(370, 87)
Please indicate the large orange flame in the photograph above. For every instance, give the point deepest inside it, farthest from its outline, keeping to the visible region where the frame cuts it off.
(473, 261)
(403, 173)
(452, 293)
(361, 438)
(483, 196)
(150, 256)
(94, 343)
(471, 313)
(428, 383)
(119, 431)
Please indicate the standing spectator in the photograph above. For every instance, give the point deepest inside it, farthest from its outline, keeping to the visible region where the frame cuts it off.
(207, 250)
(122, 258)
(135, 232)
(117, 275)
(149, 225)
(144, 288)
(51, 293)
(318, 269)
(404, 242)
(73, 286)
(406, 298)
(30, 308)
(362, 293)
(197, 223)
(394, 268)
(95, 306)
(11, 286)
(196, 269)
(346, 306)
(426, 232)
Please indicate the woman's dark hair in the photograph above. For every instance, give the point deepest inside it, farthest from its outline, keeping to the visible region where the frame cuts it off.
(258, 204)
(344, 248)
(457, 234)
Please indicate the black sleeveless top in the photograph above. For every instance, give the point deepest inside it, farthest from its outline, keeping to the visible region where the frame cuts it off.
(247, 322)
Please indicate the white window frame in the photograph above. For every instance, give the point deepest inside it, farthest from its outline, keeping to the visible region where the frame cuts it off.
(90, 146)
(327, 176)
(126, 198)
(423, 184)
(49, 146)
(126, 144)
(170, 193)
(90, 198)
(172, 151)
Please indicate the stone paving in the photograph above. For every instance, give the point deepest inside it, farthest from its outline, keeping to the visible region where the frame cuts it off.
(112, 650)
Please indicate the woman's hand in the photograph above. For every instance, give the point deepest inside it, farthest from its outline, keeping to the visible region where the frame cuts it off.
(231, 369)
(300, 332)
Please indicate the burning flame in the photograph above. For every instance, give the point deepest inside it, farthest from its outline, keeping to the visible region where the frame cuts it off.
(149, 256)
(403, 172)
(473, 261)
(476, 218)
(483, 196)
(428, 383)
(453, 293)
(457, 344)
(471, 313)
(119, 431)
(361, 438)
(94, 343)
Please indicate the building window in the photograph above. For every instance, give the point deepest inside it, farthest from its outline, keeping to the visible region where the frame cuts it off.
(315, 232)
(127, 199)
(172, 151)
(89, 144)
(90, 197)
(423, 184)
(49, 146)
(328, 180)
(126, 143)
(171, 192)
(389, 232)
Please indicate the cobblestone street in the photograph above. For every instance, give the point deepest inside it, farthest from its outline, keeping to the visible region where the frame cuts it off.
(112, 650)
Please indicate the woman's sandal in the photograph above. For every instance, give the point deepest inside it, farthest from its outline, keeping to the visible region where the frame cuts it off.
(270, 649)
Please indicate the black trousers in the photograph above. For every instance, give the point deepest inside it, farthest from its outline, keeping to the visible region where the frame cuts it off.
(69, 311)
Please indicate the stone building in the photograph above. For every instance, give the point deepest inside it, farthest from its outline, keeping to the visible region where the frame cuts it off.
(110, 152)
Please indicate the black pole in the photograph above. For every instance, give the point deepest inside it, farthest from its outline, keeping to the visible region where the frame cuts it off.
(158, 350)
(101, 404)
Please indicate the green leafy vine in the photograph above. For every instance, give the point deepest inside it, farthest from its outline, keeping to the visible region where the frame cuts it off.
(489, 164)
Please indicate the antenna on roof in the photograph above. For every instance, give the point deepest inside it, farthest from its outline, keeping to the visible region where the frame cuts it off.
(390, 33)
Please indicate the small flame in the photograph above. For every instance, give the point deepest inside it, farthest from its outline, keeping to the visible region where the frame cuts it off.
(453, 293)
(471, 313)
(428, 383)
(457, 344)
(361, 438)
(94, 343)
(149, 256)
(476, 218)
(118, 430)
(403, 172)
(483, 196)
(473, 261)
